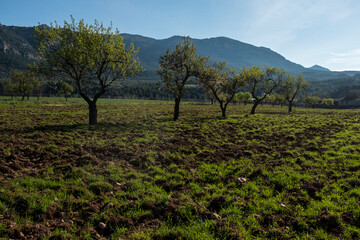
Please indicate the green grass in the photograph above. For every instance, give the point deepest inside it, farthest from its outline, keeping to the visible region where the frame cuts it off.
(272, 175)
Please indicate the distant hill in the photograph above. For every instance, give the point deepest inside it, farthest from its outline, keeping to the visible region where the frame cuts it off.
(18, 49)
(320, 68)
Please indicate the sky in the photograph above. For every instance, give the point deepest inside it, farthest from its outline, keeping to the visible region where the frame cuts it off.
(307, 32)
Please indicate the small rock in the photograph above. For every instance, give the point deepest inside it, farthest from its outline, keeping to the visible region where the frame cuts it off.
(217, 216)
(102, 225)
(107, 206)
(56, 199)
(283, 205)
(69, 221)
(242, 180)
(21, 235)
(118, 184)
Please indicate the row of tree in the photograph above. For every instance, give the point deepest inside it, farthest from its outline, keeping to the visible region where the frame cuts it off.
(24, 83)
(92, 55)
(222, 83)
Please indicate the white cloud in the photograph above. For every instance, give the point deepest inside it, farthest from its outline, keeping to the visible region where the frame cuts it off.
(351, 53)
(349, 60)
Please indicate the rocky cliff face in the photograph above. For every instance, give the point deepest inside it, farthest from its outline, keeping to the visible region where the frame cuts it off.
(17, 48)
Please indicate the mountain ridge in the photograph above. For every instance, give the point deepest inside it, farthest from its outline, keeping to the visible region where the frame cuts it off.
(18, 49)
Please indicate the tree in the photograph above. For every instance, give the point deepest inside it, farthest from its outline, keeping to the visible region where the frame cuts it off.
(244, 97)
(177, 66)
(262, 83)
(327, 101)
(222, 82)
(10, 88)
(23, 83)
(209, 95)
(66, 89)
(37, 89)
(271, 99)
(87, 54)
(311, 100)
(280, 98)
(291, 88)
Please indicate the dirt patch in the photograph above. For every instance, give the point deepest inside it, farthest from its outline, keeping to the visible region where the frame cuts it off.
(313, 188)
(329, 222)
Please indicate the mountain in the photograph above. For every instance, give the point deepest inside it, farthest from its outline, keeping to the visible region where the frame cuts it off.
(320, 68)
(235, 53)
(18, 49)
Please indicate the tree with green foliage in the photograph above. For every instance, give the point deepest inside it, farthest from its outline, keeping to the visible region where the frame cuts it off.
(87, 54)
(244, 97)
(280, 99)
(37, 89)
(222, 82)
(291, 87)
(262, 83)
(271, 99)
(177, 66)
(327, 101)
(311, 100)
(209, 95)
(11, 89)
(23, 83)
(66, 89)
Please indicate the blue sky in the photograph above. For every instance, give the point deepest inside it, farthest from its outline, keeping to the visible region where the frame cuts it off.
(308, 32)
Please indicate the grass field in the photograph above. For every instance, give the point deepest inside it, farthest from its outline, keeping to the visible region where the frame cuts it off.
(139, 175)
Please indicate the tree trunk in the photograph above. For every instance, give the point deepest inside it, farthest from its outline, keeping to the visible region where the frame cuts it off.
(290, 107)
(66, 99)
(92, 114)
(176, 109)
(254, 107)
(223, 110)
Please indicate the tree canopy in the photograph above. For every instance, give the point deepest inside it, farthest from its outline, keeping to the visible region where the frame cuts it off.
(66, 89)
(244, 97)
(23, 83)
(291, 87)
(86, 54)
(262, 83)
(177, 66)
(222, 82)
